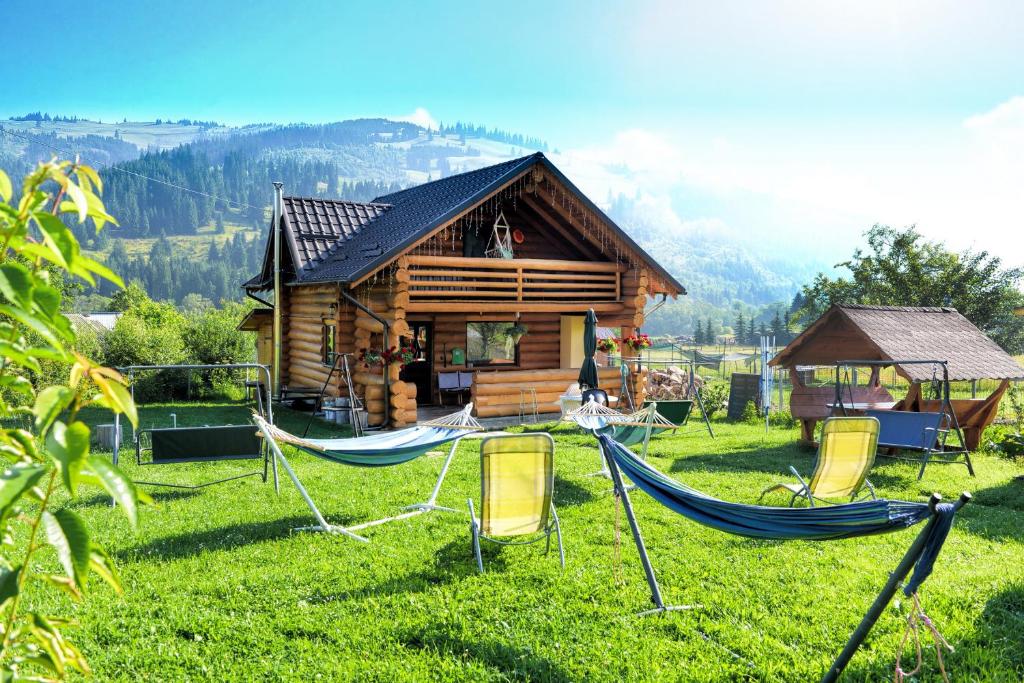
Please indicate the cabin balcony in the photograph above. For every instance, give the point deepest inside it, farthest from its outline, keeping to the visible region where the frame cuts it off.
(461, 284)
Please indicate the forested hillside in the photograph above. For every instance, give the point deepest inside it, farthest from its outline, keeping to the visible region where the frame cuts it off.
(207, 239)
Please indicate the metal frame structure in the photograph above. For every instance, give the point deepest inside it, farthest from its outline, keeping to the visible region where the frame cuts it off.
(857, 638)
(355, 405)
(949, 419)
(411, 510)
(263, 402)
(691, 390)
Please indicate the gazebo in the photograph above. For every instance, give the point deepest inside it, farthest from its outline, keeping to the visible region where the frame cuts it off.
(894, 333)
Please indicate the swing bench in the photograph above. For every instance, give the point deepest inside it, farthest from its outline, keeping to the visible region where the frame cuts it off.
(906, 430)
(198, 444)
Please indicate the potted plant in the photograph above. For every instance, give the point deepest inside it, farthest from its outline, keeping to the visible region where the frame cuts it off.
(608, 345)
(371, 358)
(637, 342)
(517, 331)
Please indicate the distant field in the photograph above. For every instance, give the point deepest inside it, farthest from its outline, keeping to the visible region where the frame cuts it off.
(196, 245)
(139, 133)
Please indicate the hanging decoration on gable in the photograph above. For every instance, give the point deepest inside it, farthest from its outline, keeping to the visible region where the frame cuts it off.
(500, 244)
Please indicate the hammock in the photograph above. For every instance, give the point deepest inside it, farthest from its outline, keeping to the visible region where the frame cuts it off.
(384, 449)
(824, 523)
(378, 450)
(629, 430)
(814, 524)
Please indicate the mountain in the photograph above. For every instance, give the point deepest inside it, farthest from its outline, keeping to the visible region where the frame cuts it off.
(179, 242)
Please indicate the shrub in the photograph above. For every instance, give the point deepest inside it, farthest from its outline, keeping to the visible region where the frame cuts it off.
(715, 396)
(751, 414)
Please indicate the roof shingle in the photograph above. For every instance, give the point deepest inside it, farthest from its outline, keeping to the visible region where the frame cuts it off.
(917, 333)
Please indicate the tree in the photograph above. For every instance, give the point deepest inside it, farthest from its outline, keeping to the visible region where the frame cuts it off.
(698, 334)
(776, 327)
(741, 326)
(47, 458)
(901, 268)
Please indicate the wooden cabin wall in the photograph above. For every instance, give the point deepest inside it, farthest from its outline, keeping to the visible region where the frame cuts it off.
(498, 394)
(387, 298)
(302, 355)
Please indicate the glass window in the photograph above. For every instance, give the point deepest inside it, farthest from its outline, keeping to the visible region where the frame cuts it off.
(491, 343)
(328, 343)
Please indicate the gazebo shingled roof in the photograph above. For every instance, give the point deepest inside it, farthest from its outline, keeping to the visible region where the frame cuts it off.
(901, 333)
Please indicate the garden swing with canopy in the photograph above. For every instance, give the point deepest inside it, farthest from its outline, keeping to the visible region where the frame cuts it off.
(908, 430)
(200, 443)
(378, 450)
(821, 523)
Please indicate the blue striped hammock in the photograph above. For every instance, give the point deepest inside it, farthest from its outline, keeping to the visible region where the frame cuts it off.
(822, 523)
(384, 449)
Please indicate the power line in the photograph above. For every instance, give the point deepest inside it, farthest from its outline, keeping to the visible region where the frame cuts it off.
(112, 167)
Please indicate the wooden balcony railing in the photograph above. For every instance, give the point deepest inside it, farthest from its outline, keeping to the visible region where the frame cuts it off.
(442, 279)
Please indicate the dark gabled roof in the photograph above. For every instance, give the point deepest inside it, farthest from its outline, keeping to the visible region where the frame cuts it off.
(911, 333)
(335, 241)
(411, 214)
(316, 228)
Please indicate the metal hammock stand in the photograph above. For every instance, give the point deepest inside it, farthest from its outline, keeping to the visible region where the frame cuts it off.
(692, 393)
(595, 417)
(378, 450)
(208, 443)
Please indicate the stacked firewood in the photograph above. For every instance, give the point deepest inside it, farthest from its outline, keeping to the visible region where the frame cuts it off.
(672, 383)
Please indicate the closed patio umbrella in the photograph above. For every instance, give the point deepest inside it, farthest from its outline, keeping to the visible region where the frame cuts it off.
(588, 372)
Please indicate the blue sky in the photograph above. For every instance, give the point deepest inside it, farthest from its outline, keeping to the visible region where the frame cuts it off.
(870, 111)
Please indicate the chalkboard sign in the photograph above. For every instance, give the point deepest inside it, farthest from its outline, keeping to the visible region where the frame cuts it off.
(743, 388)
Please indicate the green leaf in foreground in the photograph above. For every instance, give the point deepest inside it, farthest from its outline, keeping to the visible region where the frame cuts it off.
(120, 487)
(14, 482)
(69, 446)
(69, 536)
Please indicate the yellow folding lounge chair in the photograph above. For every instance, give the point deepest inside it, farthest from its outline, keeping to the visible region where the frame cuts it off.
(845, 454)
(516, 483)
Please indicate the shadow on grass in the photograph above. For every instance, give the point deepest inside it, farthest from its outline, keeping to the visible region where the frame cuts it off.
(774, 460)
(1008, 495)
(452, 562)
(228, 537)
(1000, 631)
(513, 663)
(158, 496)
(567, 492)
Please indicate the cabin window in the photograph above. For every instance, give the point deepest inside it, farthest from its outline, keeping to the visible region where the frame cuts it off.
(328, 343)
(491, 343)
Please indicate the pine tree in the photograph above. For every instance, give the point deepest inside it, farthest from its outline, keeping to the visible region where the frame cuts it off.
(776, 328)
(698, 334)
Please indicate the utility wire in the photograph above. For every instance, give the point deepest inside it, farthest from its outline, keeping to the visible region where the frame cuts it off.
(68, 153)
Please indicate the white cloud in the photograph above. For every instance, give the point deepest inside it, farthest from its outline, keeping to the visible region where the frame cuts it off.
(421, 117)
(814, 189)
(1006, 118)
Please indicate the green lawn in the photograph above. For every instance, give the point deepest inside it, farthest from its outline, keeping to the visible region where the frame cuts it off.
(218, 587)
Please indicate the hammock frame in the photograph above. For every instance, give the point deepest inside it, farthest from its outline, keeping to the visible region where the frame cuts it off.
(917, 549)
(461, 420)
(648, 417)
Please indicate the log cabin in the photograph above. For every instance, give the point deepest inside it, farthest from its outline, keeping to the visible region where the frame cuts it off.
(454, 269)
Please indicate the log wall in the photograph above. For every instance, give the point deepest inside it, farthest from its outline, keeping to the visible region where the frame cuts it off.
(302, 356)
(497, 394)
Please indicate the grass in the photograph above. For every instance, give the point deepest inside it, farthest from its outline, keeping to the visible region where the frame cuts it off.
(218, 587)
